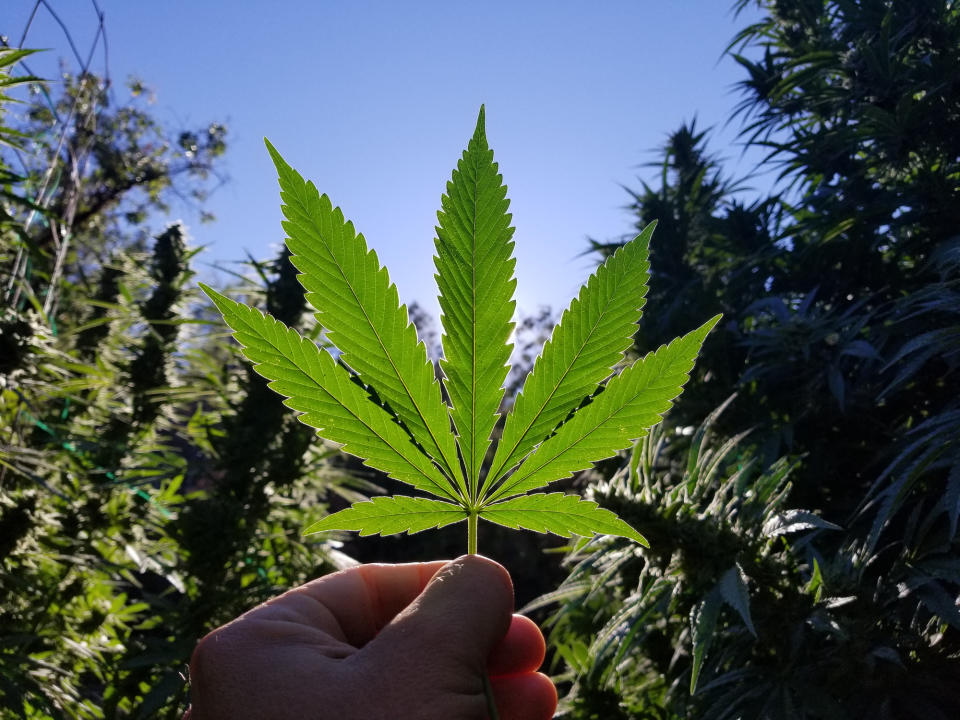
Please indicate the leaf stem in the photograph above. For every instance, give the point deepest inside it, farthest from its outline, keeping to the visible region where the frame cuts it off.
(472, 518)
(491, 703)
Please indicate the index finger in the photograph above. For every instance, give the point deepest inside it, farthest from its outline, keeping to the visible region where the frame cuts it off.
(352, 605)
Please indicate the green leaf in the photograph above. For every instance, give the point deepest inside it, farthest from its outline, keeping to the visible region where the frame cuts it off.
(733, 590)
(629, 405)
(361, 311)
(475, 276)
(940, 602)
(951, 498)
(329, 398)
(392, 515)
(589, 341)
(10, 56)
(790, 521)
(703, 622)
(381, 398)
(559, 514)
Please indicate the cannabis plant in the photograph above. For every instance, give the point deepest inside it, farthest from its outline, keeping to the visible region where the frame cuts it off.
(379, 397)
(673, 632)
(126, 426)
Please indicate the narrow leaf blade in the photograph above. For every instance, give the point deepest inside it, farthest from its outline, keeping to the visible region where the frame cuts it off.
(559, 514)
(733, 590)
(790, 521)
(327, 396)
(703, 622)
(361, 311)
(589, 341)
(630, 404)
(475, 265)
(391, 515)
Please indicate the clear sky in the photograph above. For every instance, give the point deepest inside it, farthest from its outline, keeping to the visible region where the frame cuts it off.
(375, 100)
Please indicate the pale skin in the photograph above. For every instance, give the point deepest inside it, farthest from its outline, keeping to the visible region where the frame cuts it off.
(378, 642)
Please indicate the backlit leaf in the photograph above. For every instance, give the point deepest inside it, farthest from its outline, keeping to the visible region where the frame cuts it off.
(631, 403)
(559, 514)
(361, 311)
(392, 515)
(475, 276)
(381, 400)
(328, 398)
(589, 341)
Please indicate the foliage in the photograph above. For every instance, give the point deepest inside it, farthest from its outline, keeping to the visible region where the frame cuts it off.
(712, 514)
(150, 486)
(712, 250)
(734, 611)
(382, 402)
(841, 339)
(803, 559)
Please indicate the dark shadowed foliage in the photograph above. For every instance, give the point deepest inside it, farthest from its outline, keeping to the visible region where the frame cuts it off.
(836, 596)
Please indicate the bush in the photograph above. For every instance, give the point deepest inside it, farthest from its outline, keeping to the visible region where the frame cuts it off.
(841, 338)
(151, 487)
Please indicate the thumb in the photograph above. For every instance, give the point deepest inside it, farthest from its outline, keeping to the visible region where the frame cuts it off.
(461, 615)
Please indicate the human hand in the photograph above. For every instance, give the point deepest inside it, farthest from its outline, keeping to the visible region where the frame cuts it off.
(378, 642)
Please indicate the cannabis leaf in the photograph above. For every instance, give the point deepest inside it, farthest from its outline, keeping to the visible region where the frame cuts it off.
(630, 403)
(327, 396)
(391, 515)
(590, 339)
(559, 514)
(475, 275)
(380, 399)
(359, 308)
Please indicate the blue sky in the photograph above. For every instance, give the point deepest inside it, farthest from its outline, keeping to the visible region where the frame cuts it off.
(375, 101)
